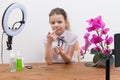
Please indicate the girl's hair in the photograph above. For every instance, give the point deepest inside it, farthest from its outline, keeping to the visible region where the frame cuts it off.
(61, 12)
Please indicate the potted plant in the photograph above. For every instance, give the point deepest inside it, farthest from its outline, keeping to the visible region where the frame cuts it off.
(97, 37)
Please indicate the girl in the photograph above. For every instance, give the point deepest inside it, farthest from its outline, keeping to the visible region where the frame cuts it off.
(60, 43)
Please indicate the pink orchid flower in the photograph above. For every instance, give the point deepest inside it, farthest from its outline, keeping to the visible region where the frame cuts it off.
(109, 40)
(81, 52)
(98, 48)
(86, 36)
(95, 24)
(104, 31)
(106, 51)
(96, 39)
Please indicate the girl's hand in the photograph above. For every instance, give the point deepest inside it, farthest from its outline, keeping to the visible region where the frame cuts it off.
(59, 50)
(56, 49)
(51, 36)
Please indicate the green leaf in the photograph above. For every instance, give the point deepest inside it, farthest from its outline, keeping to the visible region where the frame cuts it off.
(106, 55)
(92, 51)
(96, 58)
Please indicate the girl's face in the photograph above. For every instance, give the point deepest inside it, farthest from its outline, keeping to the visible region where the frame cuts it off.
(57, 23)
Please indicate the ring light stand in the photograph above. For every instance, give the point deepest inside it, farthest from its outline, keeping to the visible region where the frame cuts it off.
(10, 32)
(108, 65)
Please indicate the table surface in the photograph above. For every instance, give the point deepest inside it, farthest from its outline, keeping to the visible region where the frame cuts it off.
(73, 71)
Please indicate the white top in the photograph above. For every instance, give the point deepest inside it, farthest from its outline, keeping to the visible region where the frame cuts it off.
(70, 40)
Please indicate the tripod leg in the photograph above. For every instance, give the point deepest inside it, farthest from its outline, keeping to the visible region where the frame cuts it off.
(107, 69)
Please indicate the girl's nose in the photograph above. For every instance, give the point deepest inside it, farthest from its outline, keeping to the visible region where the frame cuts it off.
(56, 24)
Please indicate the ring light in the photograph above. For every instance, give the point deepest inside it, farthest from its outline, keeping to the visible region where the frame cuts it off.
(11, 31)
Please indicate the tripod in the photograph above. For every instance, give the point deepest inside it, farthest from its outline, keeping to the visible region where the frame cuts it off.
(108, 66)
(107, 69)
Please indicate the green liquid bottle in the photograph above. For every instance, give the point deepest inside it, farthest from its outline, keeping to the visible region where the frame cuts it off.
(19, 63)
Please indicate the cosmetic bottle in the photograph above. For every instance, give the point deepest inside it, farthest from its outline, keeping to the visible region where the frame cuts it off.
(12, 61)
(19, 62)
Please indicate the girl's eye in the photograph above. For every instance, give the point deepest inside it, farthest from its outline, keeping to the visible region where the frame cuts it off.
(59, 21)
(52, 22)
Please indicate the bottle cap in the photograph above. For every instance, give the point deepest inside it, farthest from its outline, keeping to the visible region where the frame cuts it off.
(18, 53)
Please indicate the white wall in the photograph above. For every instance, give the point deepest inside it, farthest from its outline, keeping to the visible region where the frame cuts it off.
(30, 40)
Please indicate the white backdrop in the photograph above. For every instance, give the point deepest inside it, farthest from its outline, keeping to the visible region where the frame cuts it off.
(30, 40)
